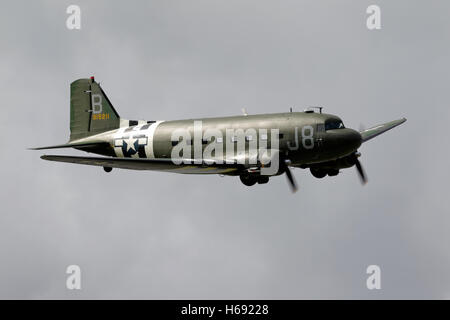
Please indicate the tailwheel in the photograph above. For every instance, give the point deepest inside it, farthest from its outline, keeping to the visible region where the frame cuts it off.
(248, 180)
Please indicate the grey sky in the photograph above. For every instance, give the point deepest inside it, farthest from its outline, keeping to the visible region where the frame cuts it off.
(157, 235)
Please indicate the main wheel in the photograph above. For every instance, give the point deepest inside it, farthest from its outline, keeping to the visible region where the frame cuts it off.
(247, 180)
(333, 172)
(263, 179)
(318, 173)
(107, 169)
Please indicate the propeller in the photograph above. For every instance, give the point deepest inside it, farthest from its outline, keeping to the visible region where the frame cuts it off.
(359, 168)
(289, 176)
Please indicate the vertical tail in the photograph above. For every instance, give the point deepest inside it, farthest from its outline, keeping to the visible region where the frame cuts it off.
(91, 112)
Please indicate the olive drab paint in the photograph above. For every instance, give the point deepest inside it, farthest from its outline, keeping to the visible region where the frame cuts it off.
(253, 147)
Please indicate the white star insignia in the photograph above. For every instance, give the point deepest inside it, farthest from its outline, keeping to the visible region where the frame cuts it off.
(130, 143)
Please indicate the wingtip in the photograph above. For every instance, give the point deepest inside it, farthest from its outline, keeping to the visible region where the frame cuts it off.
(400, 121)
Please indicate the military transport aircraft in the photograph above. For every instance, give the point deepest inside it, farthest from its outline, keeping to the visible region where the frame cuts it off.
(253, 147)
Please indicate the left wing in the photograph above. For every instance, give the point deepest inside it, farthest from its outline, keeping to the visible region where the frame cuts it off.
(151, 164)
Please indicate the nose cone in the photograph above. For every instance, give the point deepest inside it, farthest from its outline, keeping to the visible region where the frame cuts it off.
(352, 138)
(341, 142)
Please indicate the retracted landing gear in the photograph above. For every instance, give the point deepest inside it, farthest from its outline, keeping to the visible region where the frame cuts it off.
(318, 173)
(107, 169)
(333, 172)
(263, 179)
(321, 173)
(250, 180)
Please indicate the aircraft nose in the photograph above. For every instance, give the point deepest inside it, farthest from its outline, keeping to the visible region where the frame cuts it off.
(352, 138)
(342, 142)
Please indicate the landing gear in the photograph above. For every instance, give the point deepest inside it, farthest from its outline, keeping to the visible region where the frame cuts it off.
(333, 172)
(107, 169)
(248, 180)
(263, 179)
(318, 173)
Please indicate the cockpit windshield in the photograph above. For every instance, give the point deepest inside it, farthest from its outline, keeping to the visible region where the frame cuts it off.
(333, 124)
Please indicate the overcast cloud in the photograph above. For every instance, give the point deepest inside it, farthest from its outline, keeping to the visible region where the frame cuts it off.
(160, 235)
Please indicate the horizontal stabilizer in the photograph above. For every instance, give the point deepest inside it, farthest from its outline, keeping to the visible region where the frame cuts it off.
(377, 130)
(73, 145)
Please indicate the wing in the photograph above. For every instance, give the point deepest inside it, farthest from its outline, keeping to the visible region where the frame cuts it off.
(151, 164)
(377, 130)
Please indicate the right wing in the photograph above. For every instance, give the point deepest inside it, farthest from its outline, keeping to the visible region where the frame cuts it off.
(150, 164)
(377, 130)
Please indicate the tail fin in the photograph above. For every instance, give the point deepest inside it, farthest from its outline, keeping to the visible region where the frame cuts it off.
(91, 112)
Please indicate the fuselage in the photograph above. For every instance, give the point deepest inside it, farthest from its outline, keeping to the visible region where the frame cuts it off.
(253, 147)
(303, 137)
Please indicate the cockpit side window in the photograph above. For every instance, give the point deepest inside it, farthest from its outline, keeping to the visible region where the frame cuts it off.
(333, 124)
(320, 127)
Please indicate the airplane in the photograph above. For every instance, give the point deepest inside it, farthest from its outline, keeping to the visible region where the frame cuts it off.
(253, 147)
